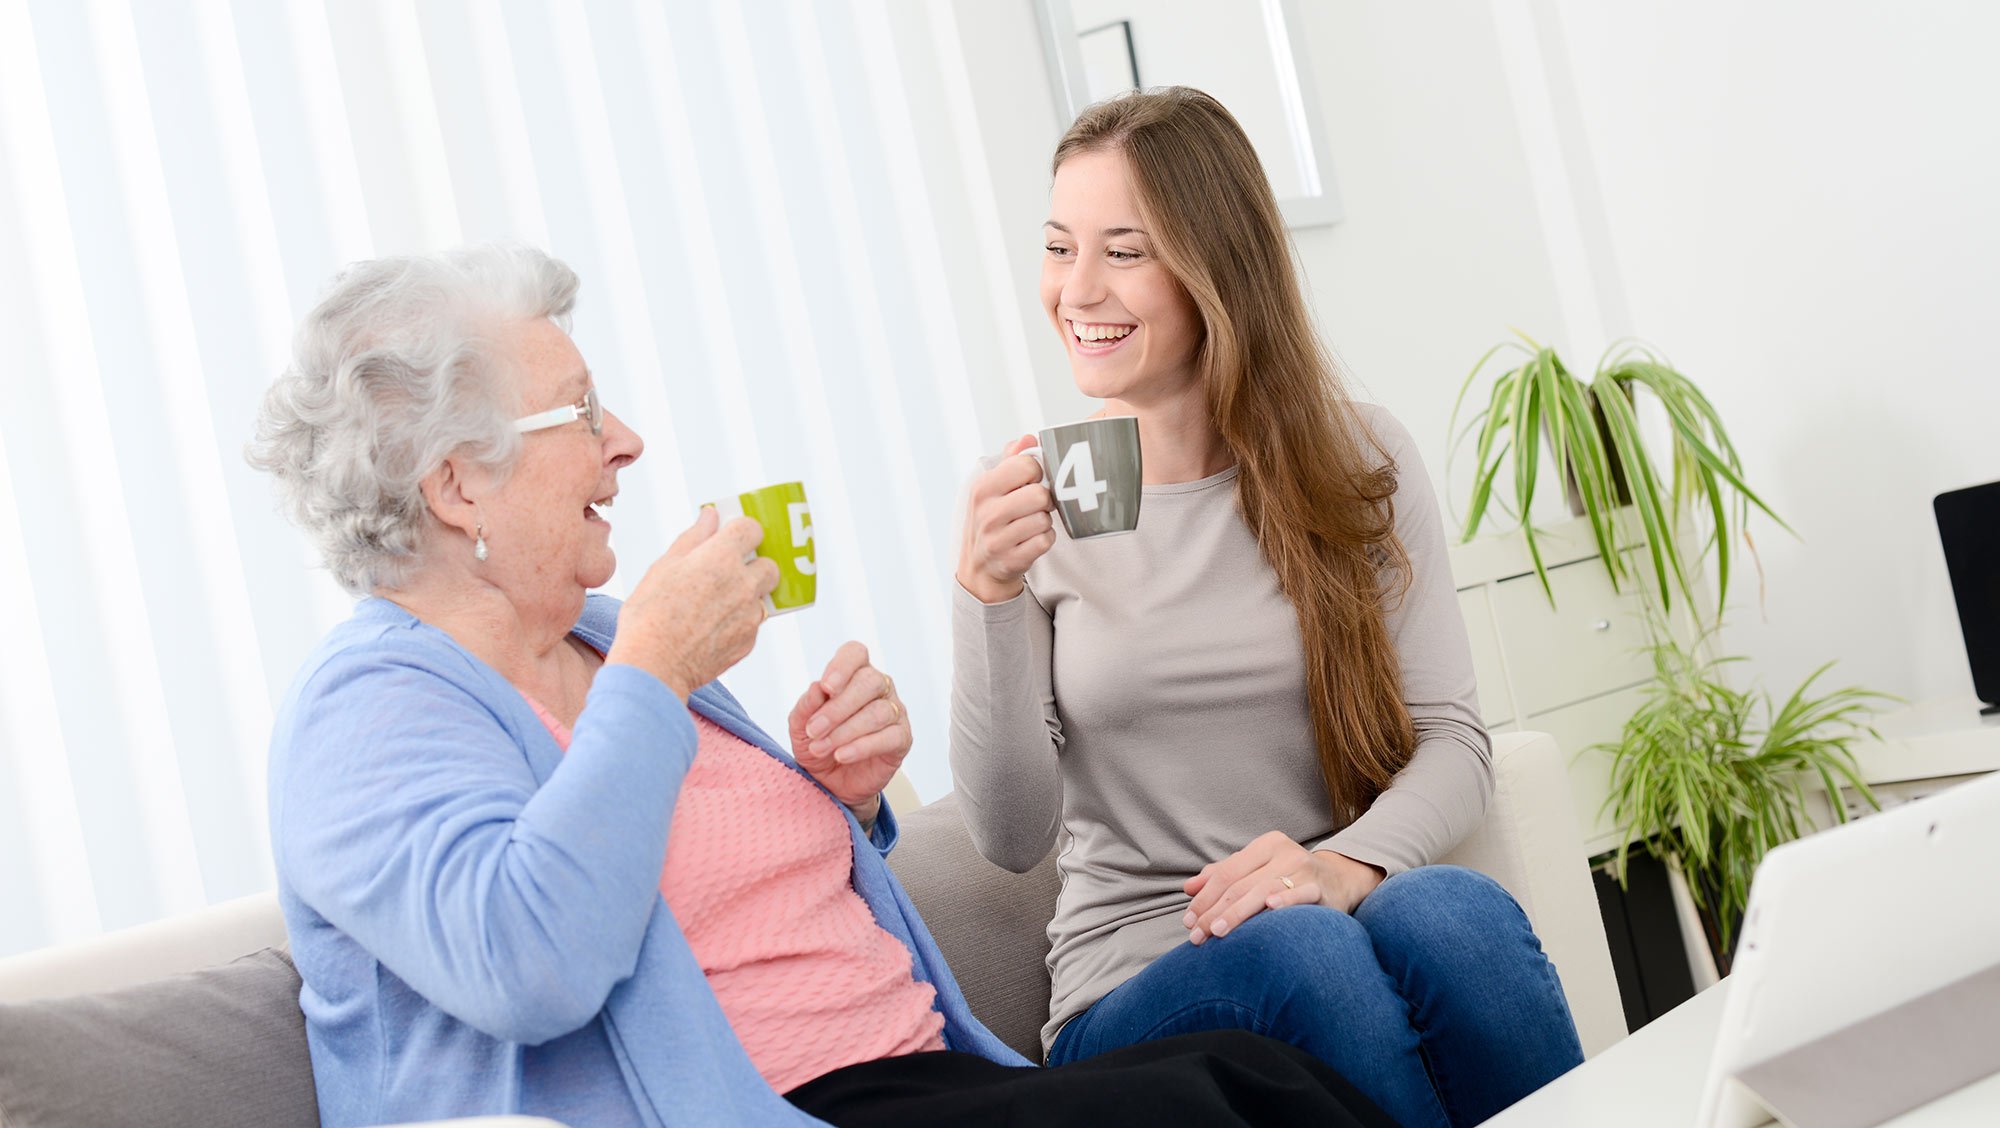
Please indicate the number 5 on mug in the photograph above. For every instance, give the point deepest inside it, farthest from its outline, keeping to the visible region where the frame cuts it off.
(802, 536)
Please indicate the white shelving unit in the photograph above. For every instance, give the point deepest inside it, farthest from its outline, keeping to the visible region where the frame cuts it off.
(1575, 671)
(1579, 669)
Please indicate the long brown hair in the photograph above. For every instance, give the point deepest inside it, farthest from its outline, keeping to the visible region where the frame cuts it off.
(1313, 484)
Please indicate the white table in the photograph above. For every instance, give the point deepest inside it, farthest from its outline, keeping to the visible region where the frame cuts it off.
(1654, 1079)
(1939, 738)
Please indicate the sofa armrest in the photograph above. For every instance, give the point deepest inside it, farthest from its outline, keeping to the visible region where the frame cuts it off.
(1531, 845)
(128, 957)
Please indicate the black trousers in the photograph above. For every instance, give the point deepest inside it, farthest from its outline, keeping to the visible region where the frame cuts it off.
(1216, 1077)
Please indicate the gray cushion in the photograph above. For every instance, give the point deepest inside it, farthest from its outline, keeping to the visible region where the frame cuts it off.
(991, 925)
(218, 1047)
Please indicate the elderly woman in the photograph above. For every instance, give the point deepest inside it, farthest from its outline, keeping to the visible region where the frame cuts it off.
(532, 856)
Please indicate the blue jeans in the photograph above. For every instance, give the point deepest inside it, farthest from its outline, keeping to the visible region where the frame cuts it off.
(1434, 998)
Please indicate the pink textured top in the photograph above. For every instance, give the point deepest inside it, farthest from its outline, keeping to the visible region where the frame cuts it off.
(759, 876)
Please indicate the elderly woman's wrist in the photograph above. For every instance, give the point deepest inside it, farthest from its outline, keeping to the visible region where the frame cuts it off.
(667, 674)
(867, 811)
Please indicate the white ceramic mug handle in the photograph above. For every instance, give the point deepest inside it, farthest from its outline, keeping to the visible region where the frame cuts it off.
(1035, 452)
(728, 508)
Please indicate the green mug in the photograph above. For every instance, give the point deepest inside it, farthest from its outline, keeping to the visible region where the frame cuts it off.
(788, 540)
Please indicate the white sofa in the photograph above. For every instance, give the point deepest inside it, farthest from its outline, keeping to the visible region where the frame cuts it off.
(988, 922)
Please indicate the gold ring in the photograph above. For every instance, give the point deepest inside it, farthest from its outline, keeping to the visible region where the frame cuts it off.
(1287, 881)
(888, 686)
(898, 708)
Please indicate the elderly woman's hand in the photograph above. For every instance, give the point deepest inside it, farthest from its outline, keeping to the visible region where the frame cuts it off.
(850, 731)
(697, 610)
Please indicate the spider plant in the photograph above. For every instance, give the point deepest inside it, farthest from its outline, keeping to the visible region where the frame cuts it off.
(1713, 777)
(1591, 429)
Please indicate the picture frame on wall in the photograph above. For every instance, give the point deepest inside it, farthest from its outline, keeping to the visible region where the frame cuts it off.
(1110, 64)
(1249, 56)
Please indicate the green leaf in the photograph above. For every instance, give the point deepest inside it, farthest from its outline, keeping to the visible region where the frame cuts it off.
(1720, 515)
(1593, 476)
(1487, 460)
(1482, 490)
(1624, 428)
(1693, 444)
(1528, 409)
(1473, 375)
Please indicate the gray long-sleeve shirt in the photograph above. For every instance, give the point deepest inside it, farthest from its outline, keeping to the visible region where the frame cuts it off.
(1144, 701)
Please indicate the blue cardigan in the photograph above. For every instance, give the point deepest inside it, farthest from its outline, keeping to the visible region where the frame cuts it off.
(477, 916)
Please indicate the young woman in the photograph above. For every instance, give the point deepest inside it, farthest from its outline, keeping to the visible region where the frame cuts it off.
(1252, 723)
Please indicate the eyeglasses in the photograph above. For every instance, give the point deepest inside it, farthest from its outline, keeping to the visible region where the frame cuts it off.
(585, 408)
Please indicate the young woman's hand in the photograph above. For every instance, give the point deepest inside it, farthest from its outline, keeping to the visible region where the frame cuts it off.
(850, 732)
(1271, 873)
(1009, 524)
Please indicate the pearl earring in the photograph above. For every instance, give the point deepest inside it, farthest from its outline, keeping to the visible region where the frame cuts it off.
(479, 545)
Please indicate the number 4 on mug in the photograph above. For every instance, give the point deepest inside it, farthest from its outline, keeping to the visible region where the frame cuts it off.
(802, 535)
(1076, 478)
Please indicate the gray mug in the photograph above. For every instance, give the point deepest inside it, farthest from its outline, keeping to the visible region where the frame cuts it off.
(1092, 468)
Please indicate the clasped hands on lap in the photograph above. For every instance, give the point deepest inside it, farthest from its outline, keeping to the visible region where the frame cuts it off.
(696, 613)
(1272, 872)
(1009, 526)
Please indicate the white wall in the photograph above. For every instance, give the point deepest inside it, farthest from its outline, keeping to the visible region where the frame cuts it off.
(1440, 252)
(1794, 200)
(1801, 199)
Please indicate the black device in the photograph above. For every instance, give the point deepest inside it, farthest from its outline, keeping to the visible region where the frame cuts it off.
(1969, 527)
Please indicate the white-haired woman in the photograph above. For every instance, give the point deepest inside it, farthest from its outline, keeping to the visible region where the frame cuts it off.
(532, 856)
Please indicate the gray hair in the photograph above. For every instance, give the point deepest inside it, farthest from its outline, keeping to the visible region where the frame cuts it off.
(393, 371)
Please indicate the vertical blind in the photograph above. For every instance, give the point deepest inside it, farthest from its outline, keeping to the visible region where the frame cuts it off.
(791, 267)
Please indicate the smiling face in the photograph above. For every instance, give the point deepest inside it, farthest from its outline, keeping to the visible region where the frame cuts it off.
(1130, 330)
(548, 539)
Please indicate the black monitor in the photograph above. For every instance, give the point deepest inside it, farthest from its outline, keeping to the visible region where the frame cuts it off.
(1969, 526)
